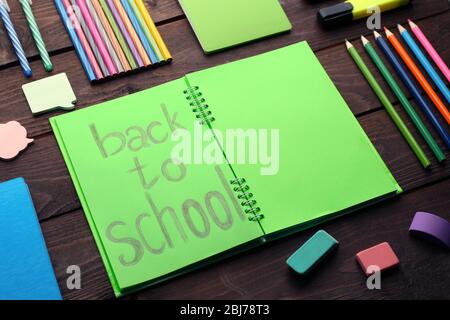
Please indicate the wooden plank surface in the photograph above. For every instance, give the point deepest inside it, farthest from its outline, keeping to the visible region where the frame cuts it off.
(189, 58)
(262, 273)
(259, 273)
(302, 14)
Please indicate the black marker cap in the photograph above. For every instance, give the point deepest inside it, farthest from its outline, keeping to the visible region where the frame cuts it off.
(336, 15)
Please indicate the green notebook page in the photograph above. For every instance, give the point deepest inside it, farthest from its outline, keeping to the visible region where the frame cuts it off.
(167, 217)
(326, 162)
(219, 24)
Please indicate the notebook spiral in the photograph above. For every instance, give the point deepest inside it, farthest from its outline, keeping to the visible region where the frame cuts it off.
(199, 105)
(249, 204)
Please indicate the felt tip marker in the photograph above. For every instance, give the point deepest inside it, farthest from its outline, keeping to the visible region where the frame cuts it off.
(350, 10)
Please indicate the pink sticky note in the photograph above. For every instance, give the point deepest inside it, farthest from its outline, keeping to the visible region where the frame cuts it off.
(381, 256)
(13, 139)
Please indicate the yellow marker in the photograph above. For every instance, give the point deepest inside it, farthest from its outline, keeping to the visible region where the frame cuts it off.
(355, 9)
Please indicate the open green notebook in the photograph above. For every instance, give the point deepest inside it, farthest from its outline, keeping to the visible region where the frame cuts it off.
(220, 24)
(155, 216)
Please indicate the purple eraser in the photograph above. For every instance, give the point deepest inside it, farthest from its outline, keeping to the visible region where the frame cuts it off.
(431, 227)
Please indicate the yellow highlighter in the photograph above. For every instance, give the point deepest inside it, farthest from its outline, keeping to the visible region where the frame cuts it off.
(350, 10)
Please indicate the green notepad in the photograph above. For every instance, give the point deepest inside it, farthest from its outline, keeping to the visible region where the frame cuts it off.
(155, 215)
(219, 24)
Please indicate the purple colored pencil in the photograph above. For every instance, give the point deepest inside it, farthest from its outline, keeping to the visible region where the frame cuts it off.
(125, 33)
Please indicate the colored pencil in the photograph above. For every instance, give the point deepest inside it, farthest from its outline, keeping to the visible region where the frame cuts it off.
(125, 33)
(424, 62)
(23, 61)
(387, 104)
(82, 39)
(146, 30)
(139, 31)
(151, 25)
(76, 43)
(418, 75)
(90, 39)
(104, 36)
(430, 49)
(408, 82)
(403, 100)
(40, 45)
(120, 38)
(126, 21)
(114, 42)
(97, 38)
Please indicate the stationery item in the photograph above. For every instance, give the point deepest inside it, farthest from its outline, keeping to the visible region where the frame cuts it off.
(104, 36)
(125, 33)
(430, 49)
(222, 24)
(403, 100)
(4, 9)
(79, 40)
(350, 10)
(49, 94)
(133, 169)
(137, 42)
(418, 75)
(40, 45)
(112, 37)
(311, 252)
(90, 39)
(139, 31)
(151, 26)
(432, 228)
(424, 62)
(120, 38)
(387, 104)
(13, 137)
(146, 31)
(25, 268)
(381, 256)
(97, 39)
(407, 81)
(76, 42)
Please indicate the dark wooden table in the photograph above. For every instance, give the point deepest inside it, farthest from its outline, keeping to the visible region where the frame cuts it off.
(258, 274)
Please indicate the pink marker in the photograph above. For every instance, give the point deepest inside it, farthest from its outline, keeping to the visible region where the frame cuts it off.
(82, 38)
(430, 49)
(97, 39)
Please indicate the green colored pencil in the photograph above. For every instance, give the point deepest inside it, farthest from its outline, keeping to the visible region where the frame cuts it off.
(387, 104)
(147, 32)
(118, 34)
(403, 100)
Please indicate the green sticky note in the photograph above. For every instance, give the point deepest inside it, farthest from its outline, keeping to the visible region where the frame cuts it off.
(221, 24)
(311, 252)
(50, 94)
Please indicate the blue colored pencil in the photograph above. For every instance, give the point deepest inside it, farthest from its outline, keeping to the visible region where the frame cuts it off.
(76, 42)
(424, 62)
(412, 88)
(140, 32)
(14, 39)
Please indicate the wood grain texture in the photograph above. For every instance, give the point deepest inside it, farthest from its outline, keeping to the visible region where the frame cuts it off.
(189, 57)
(301, 13)
(52, 29)
(262, 273)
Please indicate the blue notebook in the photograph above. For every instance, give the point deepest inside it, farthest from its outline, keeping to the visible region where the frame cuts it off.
(26, 272)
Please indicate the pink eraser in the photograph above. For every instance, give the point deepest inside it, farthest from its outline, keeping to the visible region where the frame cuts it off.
(381, 256)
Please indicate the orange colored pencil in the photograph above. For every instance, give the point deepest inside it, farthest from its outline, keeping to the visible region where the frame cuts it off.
(418, 75)
(132, 32)
(112, 37)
